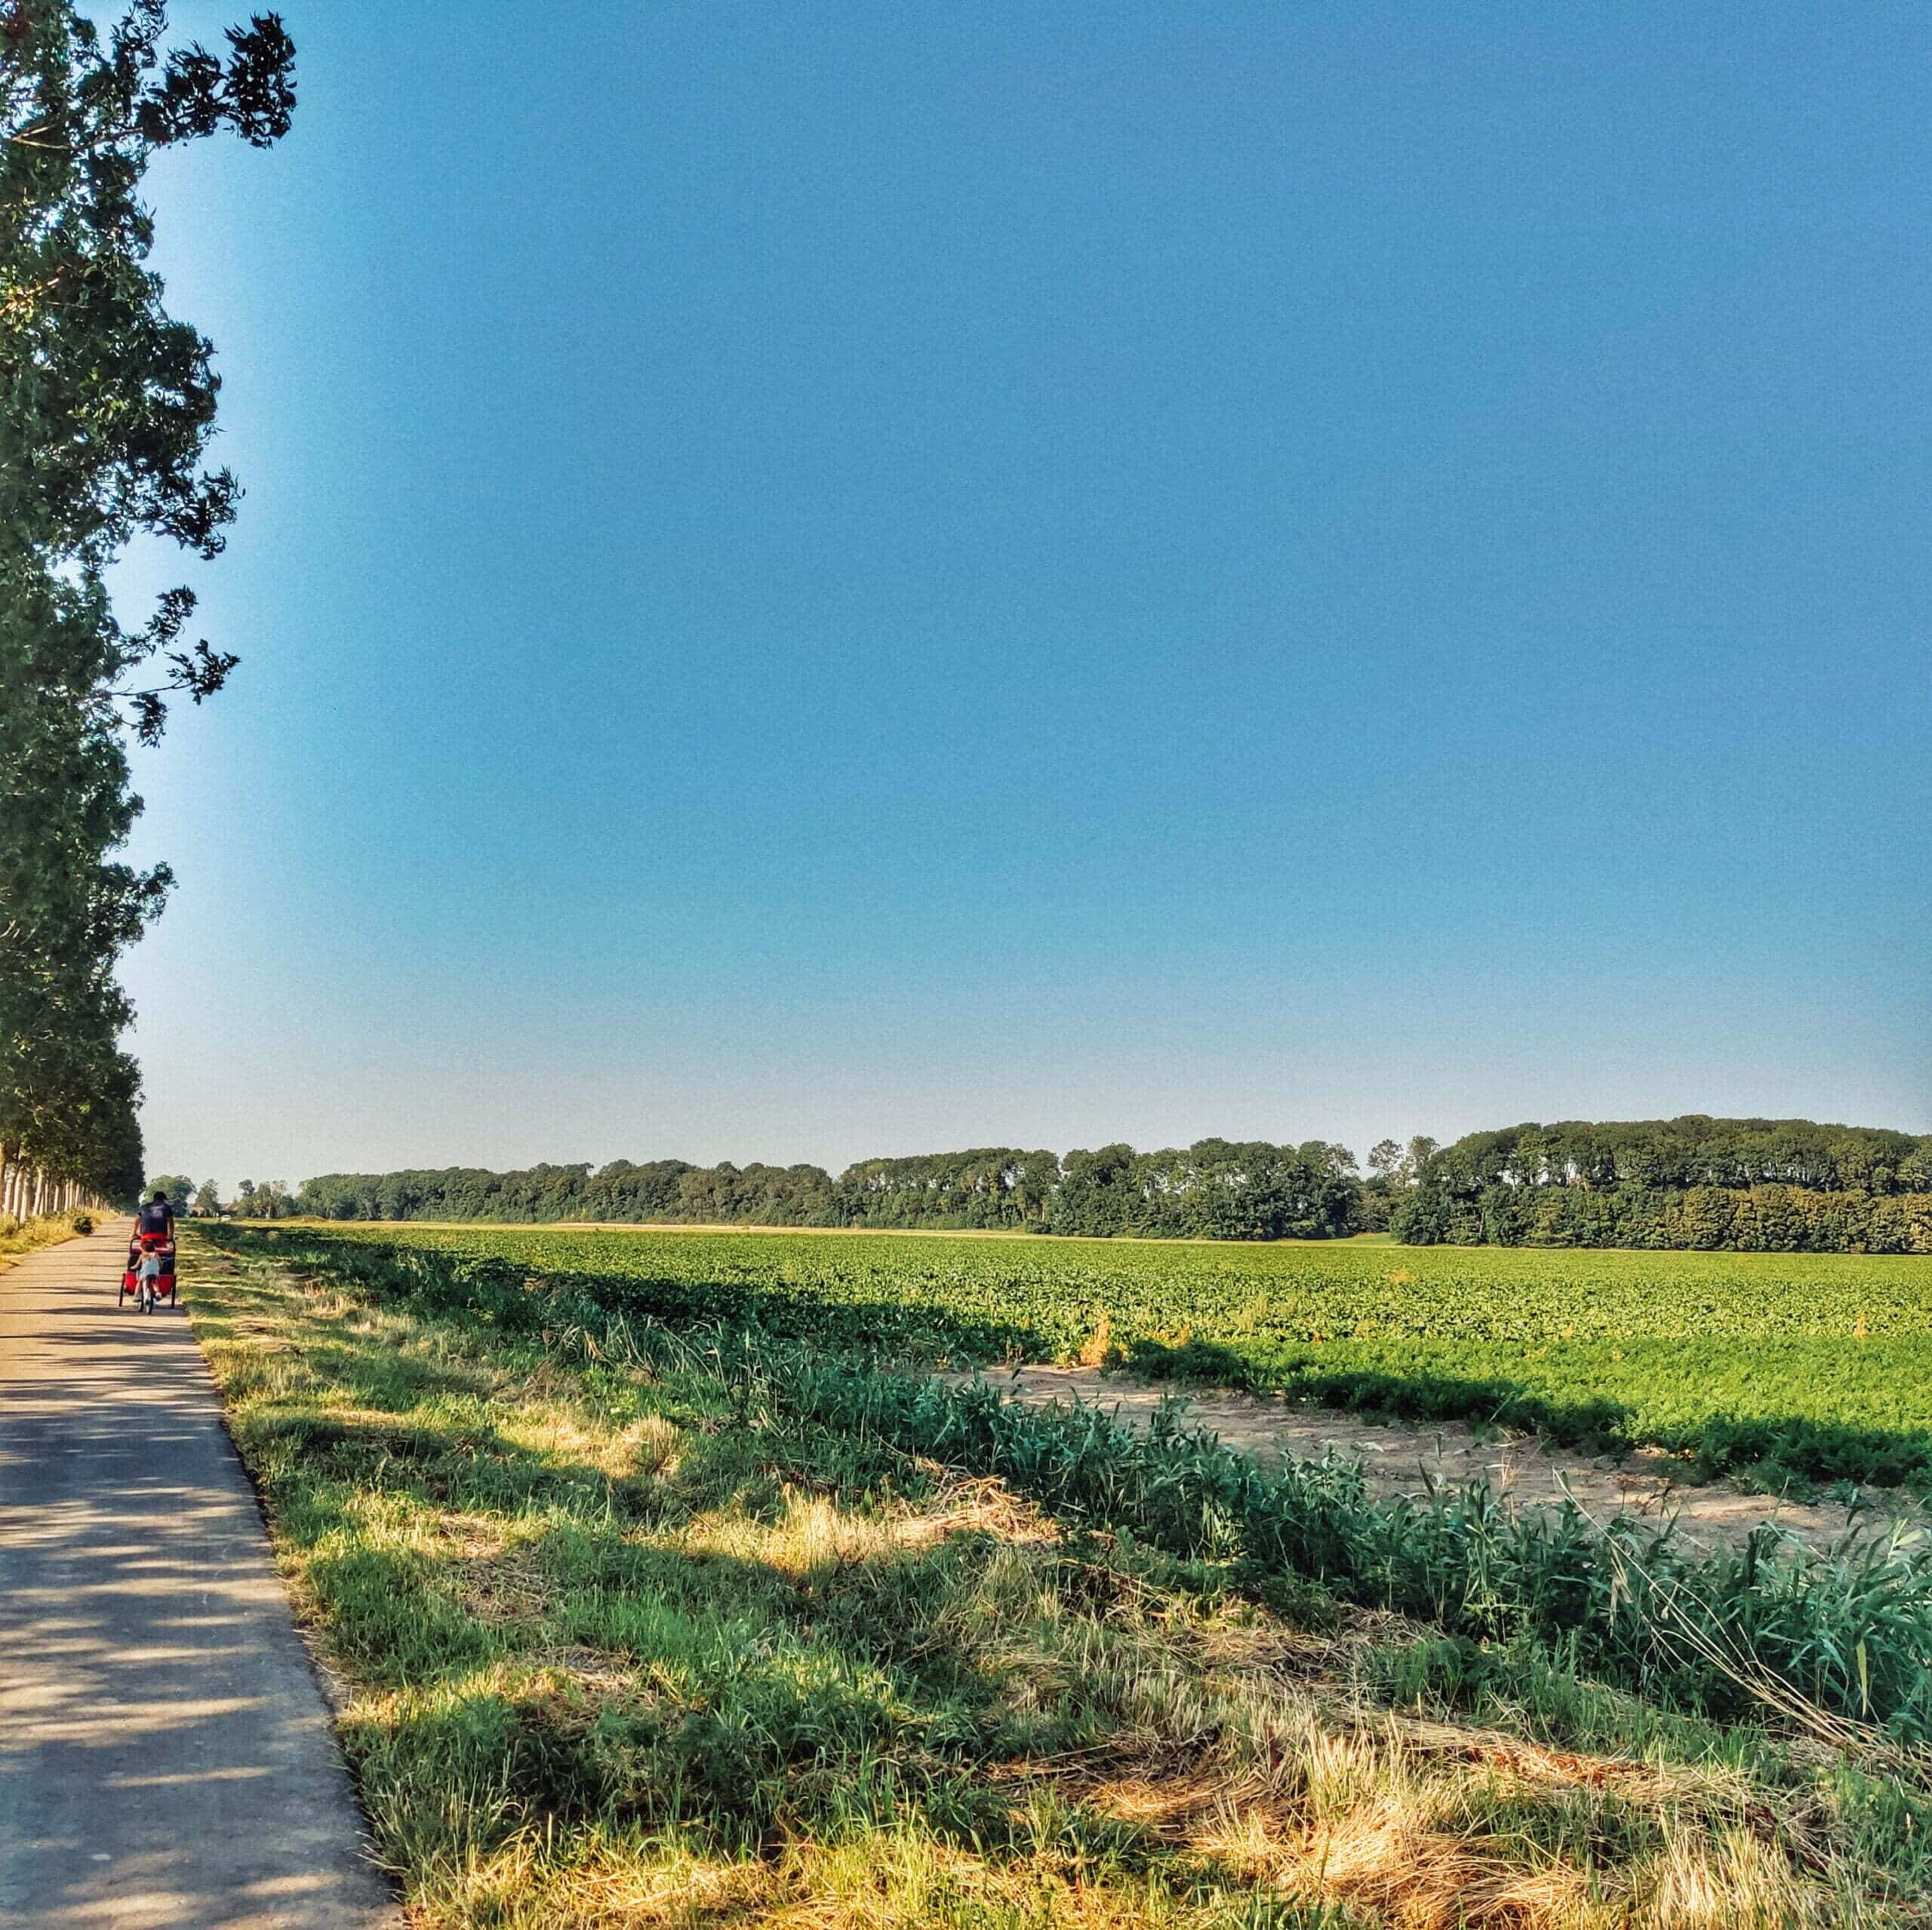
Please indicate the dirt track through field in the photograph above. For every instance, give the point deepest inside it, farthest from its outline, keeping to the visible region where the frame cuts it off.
(165, 1760)
(1404, 1457)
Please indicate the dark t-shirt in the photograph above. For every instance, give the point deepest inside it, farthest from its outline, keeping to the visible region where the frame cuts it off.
(157, 1216)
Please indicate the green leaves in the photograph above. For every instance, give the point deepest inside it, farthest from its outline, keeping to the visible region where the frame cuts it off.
(800, 1329)
(1214, 1189)
(1746, 1362)
(106, 405)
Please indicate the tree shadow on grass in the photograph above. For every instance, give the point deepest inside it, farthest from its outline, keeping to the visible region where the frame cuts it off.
(622, 1681)
(497, 1293)
(1464, 1560)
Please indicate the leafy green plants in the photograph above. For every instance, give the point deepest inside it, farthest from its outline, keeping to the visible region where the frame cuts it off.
(1805, 1367)
(685, 1621)
(1848, 1633)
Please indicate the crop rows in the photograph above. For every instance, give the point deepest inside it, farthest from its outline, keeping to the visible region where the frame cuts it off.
(1817, 1366)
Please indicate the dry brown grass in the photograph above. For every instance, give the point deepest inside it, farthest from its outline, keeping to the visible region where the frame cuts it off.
(497, 1574)
(1100, 1349)
(1389, 1834)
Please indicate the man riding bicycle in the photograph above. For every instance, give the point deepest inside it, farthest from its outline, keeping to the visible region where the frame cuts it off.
(150, 1274)
(155, 1216)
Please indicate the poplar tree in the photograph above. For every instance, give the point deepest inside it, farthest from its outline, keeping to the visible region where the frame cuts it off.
(107, 403)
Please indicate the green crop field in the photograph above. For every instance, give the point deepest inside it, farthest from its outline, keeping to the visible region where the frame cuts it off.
(1816, 1366)
(706, 1621)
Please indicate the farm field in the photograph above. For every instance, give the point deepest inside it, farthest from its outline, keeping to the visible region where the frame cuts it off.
(692, 1622)
(1815, 1366)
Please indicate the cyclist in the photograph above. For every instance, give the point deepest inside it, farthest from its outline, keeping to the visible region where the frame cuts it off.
(156, 1217)
(151, 1252)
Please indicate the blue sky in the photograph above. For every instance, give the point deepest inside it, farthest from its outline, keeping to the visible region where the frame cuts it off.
(826, 579)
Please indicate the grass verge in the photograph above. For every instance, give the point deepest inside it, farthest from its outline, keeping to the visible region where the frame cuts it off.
(625, 1640)
(20, 1237)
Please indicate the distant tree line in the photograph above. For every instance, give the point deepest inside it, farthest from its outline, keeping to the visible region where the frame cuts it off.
(1215, 1189)
(1750, 1185)
(1744, 1185)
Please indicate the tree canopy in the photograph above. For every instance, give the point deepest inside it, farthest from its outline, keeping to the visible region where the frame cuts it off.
(1773, 1185)
(107, 403)
(1215, 1189)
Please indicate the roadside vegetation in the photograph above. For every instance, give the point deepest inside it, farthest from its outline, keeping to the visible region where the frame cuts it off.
(21, 1237)
(1796, 1369)
(641, 1620)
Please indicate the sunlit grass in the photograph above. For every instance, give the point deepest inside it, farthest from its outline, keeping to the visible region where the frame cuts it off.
(613, 1648)
(19, 1237)
(1797, 1367)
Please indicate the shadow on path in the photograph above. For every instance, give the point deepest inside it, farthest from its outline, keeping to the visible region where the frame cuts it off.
(165, 1759)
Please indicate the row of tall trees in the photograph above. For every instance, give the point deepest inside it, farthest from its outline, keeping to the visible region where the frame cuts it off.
(1216, 1189)
(30, 1192)
(1750, 1185)
(106, 405)
(1746, 1185)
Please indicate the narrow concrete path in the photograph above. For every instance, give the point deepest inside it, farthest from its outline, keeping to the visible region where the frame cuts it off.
(165, 1760)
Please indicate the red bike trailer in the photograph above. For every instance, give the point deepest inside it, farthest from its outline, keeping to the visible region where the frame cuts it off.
(134, 1288)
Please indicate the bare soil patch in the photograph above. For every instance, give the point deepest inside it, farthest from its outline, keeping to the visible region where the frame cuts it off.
(1406, 1457)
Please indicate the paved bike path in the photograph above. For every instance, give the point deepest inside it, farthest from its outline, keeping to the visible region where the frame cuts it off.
(166, 1763)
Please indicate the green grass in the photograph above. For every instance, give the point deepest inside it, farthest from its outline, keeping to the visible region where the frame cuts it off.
(20, 1237)
(1811, 1367)
(650, 1624)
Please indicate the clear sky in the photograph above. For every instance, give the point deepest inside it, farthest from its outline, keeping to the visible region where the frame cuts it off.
(845, 578)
